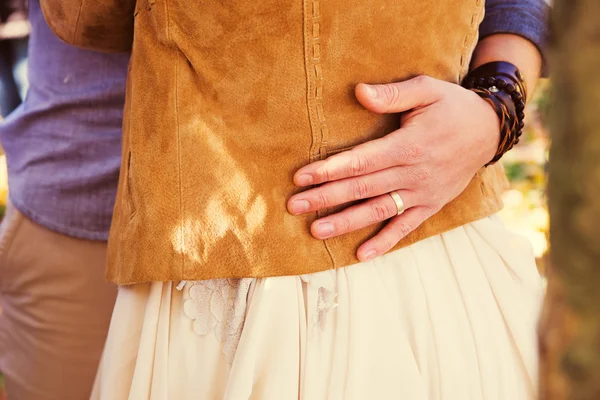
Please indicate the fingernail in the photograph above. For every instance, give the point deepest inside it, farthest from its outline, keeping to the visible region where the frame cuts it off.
(369, 254)
(305, 179)
(300, 206)
(325, 229)
(371, 91)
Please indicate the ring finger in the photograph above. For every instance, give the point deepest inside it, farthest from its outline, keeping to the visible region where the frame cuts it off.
(351, 189)
(367, 213)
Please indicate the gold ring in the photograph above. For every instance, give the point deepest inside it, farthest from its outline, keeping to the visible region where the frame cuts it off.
(398, 200)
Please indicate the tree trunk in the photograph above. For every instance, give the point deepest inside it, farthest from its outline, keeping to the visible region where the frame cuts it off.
(570, 326)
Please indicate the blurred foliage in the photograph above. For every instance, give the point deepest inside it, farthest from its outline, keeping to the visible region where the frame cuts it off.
(525, 201)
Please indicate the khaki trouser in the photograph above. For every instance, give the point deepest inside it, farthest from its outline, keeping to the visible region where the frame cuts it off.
(55, 311)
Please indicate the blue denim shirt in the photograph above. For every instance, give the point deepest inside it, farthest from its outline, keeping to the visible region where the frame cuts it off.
(526, 18)
(63, 145)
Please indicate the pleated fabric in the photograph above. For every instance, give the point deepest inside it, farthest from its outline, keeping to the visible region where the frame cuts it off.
(451, 317)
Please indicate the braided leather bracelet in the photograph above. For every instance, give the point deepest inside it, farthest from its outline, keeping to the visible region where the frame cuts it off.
(501, 84)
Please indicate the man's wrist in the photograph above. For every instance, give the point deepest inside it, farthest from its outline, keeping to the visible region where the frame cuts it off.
(502, 86)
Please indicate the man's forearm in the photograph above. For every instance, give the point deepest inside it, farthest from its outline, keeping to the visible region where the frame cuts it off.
(513, 49)
(515, 31)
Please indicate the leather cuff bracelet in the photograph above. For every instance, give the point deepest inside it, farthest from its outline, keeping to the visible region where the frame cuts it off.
(502, 85)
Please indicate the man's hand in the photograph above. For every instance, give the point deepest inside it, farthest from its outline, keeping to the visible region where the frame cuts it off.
(447, 134)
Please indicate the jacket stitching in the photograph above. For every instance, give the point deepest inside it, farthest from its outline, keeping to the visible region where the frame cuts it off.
(181, 233)
(314, 83)
(470, 37)
(314, 71)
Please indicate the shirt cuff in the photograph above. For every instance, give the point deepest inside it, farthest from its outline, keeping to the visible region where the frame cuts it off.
(530, 23)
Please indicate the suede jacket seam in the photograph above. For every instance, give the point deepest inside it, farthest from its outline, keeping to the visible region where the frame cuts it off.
(470, 37)
(314, 85)
(179, 184)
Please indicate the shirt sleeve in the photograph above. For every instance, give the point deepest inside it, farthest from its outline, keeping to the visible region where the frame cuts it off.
(526, 18)
(105, 25)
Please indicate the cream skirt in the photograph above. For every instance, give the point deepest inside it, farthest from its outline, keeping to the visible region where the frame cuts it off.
(451, 317)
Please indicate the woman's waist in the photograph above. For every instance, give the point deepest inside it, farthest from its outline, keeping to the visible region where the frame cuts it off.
(234, 234)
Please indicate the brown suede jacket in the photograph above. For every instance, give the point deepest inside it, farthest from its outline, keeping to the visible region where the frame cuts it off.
(227, 99)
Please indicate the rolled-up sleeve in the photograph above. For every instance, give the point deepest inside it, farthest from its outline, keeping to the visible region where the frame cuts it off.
(105, 25)
(526, 18)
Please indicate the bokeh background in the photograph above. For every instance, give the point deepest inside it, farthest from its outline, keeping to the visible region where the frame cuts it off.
(525, 202)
